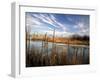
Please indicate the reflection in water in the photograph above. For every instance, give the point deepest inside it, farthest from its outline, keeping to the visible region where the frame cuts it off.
(48, 54)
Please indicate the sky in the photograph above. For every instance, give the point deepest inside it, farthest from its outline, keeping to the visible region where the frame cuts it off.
(64, 24)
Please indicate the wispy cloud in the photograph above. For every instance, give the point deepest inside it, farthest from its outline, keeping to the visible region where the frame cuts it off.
(82, 28)
(51, 20)
(44, 22)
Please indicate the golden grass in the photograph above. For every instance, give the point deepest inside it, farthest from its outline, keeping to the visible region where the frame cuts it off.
(63, 40)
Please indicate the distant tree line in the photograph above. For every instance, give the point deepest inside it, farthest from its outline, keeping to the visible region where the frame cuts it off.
(78, 37)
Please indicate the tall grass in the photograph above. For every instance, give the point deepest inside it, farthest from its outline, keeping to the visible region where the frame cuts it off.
(68, 55)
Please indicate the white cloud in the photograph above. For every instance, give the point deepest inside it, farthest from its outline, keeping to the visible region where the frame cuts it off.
(70, 19)
(60, 25)
(82, 28)
(76, 26)
(32, 21)
(50, 19)
(60, 34)
(37, 21)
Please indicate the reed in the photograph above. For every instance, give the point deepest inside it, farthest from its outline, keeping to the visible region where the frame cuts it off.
(43, 57)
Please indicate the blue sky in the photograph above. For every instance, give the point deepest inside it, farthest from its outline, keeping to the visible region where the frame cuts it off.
(64, 24)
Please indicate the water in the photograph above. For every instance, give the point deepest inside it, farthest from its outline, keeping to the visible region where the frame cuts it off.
(60, 47)
(64, 54)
